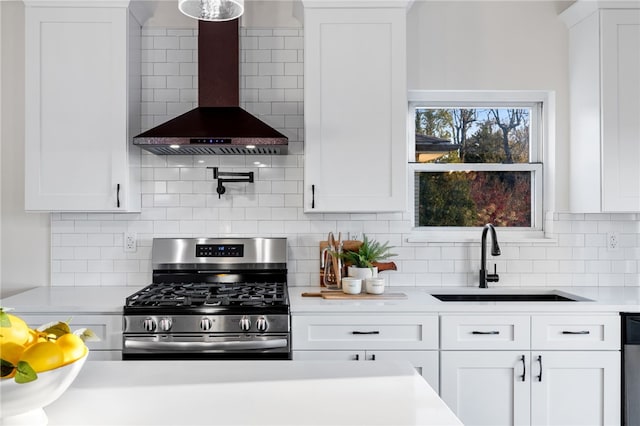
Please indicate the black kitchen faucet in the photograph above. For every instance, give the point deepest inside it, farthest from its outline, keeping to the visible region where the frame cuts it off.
(495, 251)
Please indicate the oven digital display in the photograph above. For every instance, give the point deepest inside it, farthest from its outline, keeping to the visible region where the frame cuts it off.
(219, 250)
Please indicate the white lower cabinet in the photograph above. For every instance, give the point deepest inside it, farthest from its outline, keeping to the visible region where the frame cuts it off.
(108, 328)
(412, 338)
(575, 388)
(537, 388)
(574, 380)
(487, 387)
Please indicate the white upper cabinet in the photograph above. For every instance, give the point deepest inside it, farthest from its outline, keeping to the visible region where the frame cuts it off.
(355, 97)
(604, 58)
(82, 96)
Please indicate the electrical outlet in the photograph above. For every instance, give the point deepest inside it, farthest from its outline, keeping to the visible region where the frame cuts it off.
(354, 235)
(130, 242)
(613, 241)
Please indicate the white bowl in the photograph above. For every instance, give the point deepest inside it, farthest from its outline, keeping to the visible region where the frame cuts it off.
(374, 285)
(351, 285)
(27, 399)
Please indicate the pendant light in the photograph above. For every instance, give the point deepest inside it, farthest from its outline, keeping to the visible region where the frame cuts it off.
(212, 10)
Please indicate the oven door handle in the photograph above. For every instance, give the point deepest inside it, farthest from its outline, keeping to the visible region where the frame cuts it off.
(230, 345)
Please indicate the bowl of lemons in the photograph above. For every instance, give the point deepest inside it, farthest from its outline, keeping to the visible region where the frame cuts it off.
(37, 366)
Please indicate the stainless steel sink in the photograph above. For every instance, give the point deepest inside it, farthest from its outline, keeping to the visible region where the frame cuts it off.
(509, 297)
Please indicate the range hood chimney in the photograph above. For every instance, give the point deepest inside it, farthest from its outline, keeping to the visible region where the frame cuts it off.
(218, 125)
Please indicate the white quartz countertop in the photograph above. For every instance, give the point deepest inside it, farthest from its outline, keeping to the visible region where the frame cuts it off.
(86, 299)
(420, 300)
(249, 393)
(110, 300)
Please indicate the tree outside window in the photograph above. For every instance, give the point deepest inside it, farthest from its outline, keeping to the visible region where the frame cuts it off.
(475, 165)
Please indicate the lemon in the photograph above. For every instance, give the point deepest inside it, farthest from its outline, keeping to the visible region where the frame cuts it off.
(10, 351)
(43, 356)
(17, 333)
(72, 346)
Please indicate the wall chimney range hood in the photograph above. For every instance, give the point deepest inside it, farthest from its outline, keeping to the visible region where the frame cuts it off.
(218, 125)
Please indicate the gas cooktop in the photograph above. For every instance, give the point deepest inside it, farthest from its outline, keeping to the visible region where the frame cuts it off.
(196, 295)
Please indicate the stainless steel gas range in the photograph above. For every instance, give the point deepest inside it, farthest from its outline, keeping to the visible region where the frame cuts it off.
(211, 298)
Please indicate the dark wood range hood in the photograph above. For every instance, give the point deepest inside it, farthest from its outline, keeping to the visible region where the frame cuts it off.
(218, 125)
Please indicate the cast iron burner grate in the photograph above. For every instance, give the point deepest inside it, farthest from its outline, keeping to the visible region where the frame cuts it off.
(209, 294)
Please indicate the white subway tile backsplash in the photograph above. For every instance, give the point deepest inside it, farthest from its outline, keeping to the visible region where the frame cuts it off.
(113, 279)
(257, 82)
(266, 42)
(272, 94)
(180, 80)
(126, 266)
(171, 42)
(293, 43)
(180, 56)
(152, 56)
(286, 32)
(100, 240)
(100, 265)
(179, 187)
(294, 69)
(257, 56)
(179, 195)
(179, 213)
(154, 108)
(166, 95)
(86, 253)
(154, 82)
(166, 200)
(193, 200)
(284, 82)
(284, 56)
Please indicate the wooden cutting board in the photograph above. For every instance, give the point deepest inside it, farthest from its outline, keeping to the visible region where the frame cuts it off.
(339, 295)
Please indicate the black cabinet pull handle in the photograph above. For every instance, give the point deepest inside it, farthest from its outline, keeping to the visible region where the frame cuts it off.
(540, 362)
(313, 196)
(365, 332)
(357, 357)
(373, 357)
(118, 195)
(486, 332)
(576, 332)
(524, 368)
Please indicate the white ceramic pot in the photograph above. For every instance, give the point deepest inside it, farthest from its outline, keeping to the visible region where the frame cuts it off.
(362, 273)
(374, 285)
(351, 285)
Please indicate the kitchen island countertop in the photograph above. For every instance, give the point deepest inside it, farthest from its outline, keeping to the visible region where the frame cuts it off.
(249, 393)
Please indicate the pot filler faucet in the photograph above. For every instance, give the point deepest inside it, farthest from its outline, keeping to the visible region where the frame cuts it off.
(495, 251)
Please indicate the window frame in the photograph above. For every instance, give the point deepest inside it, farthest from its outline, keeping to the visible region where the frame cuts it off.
(541, 104)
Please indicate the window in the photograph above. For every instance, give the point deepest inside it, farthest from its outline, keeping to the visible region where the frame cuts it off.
(475, 161)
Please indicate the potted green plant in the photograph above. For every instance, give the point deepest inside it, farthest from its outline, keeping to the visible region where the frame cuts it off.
(361, 262)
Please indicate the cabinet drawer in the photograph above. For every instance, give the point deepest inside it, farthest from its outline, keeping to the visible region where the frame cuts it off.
(107, 327)
(364, 332)
(484, 332)
(595, 332)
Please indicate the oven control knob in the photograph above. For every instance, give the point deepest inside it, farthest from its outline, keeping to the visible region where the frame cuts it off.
(262, 324)
(165, 324)
(149, 324)
(206, 324)
(245, 323)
